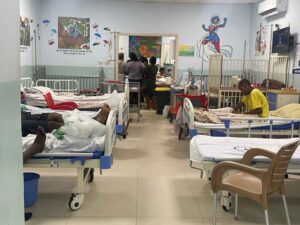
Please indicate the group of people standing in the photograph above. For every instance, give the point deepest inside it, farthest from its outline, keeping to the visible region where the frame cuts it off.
(139, 70)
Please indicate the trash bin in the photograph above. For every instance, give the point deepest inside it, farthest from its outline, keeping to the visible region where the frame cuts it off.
(30, 188)
(162, 99)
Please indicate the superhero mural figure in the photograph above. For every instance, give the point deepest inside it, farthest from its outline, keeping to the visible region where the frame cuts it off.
(212, 36)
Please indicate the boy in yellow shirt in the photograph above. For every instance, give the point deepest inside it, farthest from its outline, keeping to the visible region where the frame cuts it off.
(253, 101)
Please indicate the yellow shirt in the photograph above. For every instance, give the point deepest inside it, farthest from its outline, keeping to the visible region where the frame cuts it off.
(256, 99)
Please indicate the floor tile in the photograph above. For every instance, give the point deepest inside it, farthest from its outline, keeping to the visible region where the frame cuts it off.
(102, 221)
(168, 204)
(169, 221)
(110, 203)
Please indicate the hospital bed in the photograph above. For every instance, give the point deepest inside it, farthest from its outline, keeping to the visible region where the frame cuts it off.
(83, 161)
(207, 151)
(243, 126)
(65, 90)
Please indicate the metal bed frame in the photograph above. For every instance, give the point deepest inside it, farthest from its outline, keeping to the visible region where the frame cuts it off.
(226, 198)
(84, 163)
(73, 86)
(219, 81)
(270, 128)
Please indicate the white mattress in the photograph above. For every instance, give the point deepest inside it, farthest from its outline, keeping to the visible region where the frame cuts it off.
(68, 144)
(216, 149)
(83, 102)
(36, 110)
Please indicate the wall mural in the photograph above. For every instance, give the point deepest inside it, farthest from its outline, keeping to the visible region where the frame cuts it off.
(261, 41)
(146, 46)
(211, 42)
(73, 33)
(77, 36)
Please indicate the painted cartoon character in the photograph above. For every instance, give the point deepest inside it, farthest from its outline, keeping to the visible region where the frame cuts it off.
(212, 29)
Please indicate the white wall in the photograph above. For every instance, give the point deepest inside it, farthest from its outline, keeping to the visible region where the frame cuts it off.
(291, 18)
(153, 18)
(11, 177)
(31, 10)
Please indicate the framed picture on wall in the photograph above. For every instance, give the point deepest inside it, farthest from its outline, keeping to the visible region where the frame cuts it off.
(73, 33)
(146, 46)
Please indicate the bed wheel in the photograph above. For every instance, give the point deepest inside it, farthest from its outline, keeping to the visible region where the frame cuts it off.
(75, 201)
(225, 208)
(226, 201)
(91, 176)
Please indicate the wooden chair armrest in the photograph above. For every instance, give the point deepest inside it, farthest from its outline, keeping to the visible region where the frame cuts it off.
(221, 168)
(253, 152)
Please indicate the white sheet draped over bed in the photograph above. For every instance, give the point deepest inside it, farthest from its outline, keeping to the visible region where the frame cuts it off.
(68, 144)
(81, 133)
(207, 148)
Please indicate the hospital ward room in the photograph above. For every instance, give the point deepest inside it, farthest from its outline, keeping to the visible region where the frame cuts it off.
(150, 112)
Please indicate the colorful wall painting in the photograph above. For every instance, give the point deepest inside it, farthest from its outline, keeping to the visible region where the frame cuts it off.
(24, 31)
(146, 46)
(261, 41)
(73, 33)
(186, 50)
(210, 43)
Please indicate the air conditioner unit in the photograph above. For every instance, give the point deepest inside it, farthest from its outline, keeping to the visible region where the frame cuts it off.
(272, 7)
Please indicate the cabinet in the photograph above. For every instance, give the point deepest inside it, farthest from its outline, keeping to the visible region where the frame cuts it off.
(279, 99)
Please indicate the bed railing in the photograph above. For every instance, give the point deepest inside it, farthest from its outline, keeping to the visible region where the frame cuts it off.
(188, 113)
(58, 85)
(292, 122)
(271, 126)
(27, 82)
(110, 136)
(85, 82)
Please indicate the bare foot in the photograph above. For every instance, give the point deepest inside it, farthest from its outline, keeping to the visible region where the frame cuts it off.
(40, 138)
(37, 146)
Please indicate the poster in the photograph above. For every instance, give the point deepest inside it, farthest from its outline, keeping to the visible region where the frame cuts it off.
(261, 41)
(187, 50)
(146, 46)
(24, 31)
(73, 33)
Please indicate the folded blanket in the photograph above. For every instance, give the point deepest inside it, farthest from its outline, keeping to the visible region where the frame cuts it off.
(288, 111)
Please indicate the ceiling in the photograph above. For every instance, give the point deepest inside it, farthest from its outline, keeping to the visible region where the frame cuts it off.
(199, 1)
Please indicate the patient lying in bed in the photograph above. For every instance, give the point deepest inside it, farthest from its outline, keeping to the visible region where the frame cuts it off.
(52, 121)
(74, 132)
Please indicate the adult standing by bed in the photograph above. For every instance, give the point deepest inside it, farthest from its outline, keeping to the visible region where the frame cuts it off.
(134, 70)
(149, 83)
(121, 67)
(254, 101)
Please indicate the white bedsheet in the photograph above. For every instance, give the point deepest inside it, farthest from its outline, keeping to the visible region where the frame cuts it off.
(68, 144)
(215, 149)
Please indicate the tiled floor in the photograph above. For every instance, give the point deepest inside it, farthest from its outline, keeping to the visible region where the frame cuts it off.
(150, 183)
